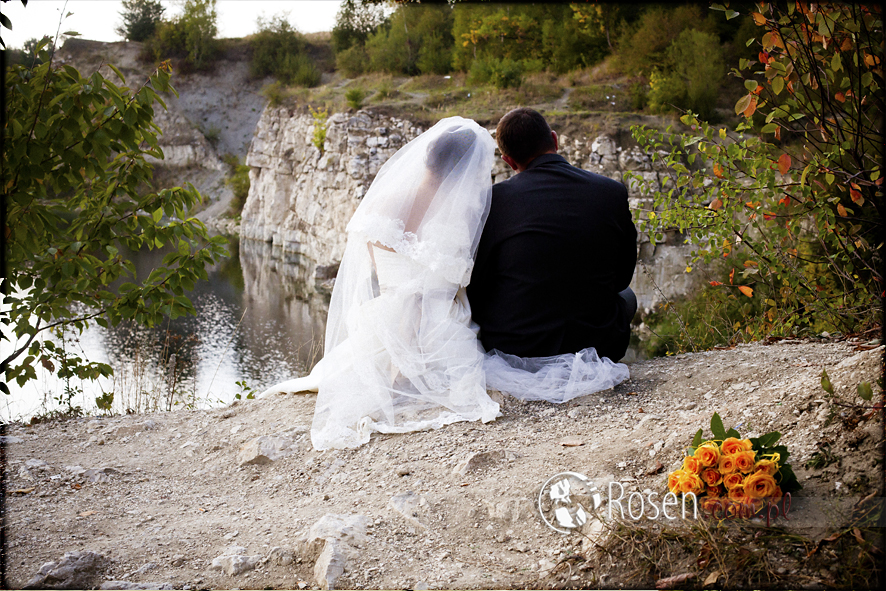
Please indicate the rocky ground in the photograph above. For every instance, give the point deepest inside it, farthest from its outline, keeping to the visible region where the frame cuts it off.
(236, 497)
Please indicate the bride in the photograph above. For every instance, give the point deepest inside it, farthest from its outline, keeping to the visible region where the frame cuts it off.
(401, 352)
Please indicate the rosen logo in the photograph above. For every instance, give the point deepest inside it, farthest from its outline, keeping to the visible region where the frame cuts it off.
(567, 500)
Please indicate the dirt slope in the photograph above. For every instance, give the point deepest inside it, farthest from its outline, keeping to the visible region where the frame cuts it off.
(163, 495)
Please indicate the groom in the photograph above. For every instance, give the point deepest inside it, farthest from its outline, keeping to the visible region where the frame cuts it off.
(556, 255)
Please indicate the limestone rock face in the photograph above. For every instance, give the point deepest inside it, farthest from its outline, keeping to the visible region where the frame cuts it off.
(301, 198)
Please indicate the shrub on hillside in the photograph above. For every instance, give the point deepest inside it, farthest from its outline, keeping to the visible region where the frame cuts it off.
(500, 72)
(189, 37)
(273, 46)
(645, 47)
(666, 92)
(238, 181)
(698, 64)
(355, 97)
(140, 18)
(352, 61)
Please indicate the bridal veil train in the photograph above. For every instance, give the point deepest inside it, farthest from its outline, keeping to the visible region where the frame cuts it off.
(401, 352)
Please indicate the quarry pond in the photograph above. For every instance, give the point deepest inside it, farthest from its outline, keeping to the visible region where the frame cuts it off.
(251, 330)
(257, 323)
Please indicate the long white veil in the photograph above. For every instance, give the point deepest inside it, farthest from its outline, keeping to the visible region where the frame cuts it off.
(401, 351)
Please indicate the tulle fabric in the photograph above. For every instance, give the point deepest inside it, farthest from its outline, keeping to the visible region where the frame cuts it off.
(401, 351)
(554, 379)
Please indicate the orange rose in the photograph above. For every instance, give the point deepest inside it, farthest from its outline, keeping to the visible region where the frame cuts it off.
(760, 485)
(708, 454)
(714, 491)
(730, 481)
(673, 479)
(733, 445)
(744, 461)
(727, 465)
(690, 483)
(767, 466)
(736, 493)
(691, 464)
(711, 476)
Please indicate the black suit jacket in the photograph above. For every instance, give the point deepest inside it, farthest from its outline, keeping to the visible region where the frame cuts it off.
(558, 246)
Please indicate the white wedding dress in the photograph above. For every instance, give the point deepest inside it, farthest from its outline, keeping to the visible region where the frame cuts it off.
(401, 351)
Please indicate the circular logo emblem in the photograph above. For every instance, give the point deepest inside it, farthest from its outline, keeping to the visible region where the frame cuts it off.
(567, 500)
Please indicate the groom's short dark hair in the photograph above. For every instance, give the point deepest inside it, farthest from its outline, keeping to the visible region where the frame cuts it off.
(523, 134)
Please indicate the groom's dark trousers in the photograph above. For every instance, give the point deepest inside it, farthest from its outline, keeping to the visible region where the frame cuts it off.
(558, 247)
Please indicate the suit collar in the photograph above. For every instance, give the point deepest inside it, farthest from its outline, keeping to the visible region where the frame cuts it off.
(544, 159)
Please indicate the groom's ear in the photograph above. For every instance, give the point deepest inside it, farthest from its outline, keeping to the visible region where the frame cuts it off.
(511, 162)
(556, 140)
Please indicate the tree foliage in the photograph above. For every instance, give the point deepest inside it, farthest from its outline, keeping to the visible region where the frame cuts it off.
(694, 79)
(505, 40)
(644, 47)
(797, 188)
(279, 50)
(140, 18)
(199, 20)
(74, 177)
(415, 39)
(354, 23)
(190, 35)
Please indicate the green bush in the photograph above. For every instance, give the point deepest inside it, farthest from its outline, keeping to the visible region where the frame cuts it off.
(386, 91)
(238, 181)
(698, 64)
(199, 20)
(274, 92)
(189, 37)
(321, 116)
(435, 55)
(355, 97)
(140, 18)
(212, 135)
(716, 316)
(300, 71)
(169, 41)
(500, 72)
(645, 47)
(639, 96)
(507, 73)
(279, 50)
(667, 92)
(352, 61)
(389, 51)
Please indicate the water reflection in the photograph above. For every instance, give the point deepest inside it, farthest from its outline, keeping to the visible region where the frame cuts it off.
(257, 322)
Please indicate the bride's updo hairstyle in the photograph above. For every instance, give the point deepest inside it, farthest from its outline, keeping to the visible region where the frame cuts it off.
(523, 134)
(429, 201)
(447, 150)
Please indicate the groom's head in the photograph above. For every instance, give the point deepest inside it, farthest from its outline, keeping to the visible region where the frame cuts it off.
(522, 136)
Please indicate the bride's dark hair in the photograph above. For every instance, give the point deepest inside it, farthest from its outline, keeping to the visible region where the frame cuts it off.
(445, 151)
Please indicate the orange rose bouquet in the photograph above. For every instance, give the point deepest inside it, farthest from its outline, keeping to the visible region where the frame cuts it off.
(732, 476)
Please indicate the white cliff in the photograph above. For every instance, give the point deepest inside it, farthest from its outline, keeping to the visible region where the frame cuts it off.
(301, 198)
